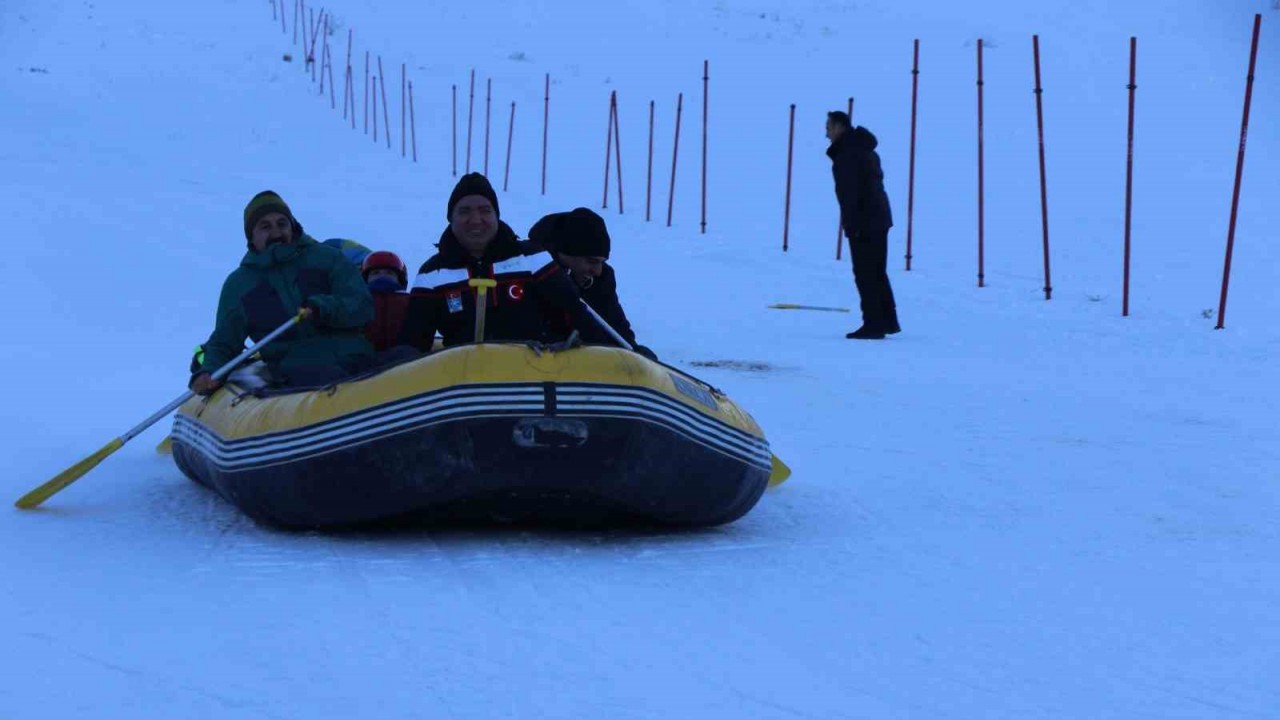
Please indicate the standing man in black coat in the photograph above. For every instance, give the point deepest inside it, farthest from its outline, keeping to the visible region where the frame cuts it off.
(865, 215)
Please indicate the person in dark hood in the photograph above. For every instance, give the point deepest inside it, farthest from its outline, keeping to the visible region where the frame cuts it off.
(579, 241)
(531, 286)
(866, 218)
(284, 272)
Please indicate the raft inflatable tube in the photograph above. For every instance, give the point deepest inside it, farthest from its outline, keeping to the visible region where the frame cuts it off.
(494, 427)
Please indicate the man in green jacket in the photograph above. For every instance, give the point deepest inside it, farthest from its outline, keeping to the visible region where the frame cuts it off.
(283, 273)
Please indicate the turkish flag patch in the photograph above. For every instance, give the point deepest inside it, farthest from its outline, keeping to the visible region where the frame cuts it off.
(515, 292)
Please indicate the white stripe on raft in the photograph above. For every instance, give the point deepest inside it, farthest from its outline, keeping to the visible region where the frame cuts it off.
(390, 420)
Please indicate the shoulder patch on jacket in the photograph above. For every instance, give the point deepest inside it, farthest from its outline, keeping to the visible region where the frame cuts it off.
(437, 279)
(535, 264)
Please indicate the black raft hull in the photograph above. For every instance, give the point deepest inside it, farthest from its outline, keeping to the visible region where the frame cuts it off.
(590, 435)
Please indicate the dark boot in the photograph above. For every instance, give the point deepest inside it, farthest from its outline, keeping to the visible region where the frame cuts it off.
(865, 333)
(890, 308)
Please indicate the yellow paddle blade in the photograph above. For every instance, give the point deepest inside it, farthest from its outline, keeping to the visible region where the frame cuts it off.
(779, 473)
(68, 476)
(166, 445)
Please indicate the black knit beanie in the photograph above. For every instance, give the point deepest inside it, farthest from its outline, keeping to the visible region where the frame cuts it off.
(579, 232)
(472, 184)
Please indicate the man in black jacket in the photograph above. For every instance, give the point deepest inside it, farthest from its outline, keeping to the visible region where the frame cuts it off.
(477, 244)
(865, 215)
(580, 242)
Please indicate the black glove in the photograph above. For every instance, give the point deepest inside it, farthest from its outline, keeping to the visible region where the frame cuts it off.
(574, 340)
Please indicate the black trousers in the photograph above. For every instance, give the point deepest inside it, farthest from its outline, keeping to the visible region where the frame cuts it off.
(870, 257)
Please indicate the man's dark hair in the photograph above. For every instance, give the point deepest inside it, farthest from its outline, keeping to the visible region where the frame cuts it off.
(839, 117)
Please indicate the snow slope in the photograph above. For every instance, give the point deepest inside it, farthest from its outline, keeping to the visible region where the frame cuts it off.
(1014, 509)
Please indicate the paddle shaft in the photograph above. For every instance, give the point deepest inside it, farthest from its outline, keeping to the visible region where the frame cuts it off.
(607, 327)
(218, 374)
(482, 286)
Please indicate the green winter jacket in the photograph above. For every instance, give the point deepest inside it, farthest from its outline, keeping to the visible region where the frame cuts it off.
(270, 286)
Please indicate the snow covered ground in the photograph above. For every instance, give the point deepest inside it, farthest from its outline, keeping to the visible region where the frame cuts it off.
(1014, 509)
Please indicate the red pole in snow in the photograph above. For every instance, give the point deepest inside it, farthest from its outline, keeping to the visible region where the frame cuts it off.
(488, 104)
(648, 178)
(471, 111)
(840, 220)
(1044, 192)
(297, 8)
(706, 78)
(283, 29)
(404, 141)
(311, 51)
(1128, 173)
(328, 54)
(546, 117)
(333, 98)
(675, 152)
(455, 131)
(786, 213)
(608, 147)
(980, 258)
(511, 129)
(375, 108)
(1235, 195)
(323, 47)
(346, 80)
(911, 165)
(322, 25)
(366, 92)
(617, 149)
(386, 116)
(413, 125)
(306, 60)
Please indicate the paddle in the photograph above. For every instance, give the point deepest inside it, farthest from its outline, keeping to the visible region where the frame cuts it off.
(792, 306)
(73, 473)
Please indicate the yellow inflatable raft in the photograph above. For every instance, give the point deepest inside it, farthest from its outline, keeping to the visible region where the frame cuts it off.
(499, 428)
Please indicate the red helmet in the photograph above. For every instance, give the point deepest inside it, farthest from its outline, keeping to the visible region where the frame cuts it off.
(385, 260)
